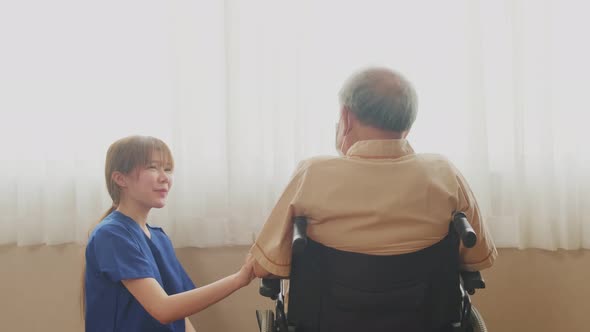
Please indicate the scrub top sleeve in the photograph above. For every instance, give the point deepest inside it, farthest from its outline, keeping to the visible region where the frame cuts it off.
(119, 256)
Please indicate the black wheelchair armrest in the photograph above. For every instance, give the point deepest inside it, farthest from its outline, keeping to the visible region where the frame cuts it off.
(472, 281)
(270, 288)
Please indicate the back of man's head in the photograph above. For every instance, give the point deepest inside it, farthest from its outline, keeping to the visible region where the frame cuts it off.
(381, 98)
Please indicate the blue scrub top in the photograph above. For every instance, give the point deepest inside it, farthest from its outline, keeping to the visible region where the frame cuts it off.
(118, 249)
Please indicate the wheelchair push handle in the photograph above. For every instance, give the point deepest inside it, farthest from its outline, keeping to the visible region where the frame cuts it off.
(464, 229)
(299, 235)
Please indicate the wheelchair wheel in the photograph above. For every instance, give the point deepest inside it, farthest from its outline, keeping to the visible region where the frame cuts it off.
(266, 320)
(476, 321)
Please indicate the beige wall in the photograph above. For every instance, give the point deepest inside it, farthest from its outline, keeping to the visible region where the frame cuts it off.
(530, 290)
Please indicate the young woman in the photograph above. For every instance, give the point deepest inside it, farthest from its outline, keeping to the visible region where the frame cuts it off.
(133, 280)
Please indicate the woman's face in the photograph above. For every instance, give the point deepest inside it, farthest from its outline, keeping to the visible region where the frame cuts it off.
(149, 185)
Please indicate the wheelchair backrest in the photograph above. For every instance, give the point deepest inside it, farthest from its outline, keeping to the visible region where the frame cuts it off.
(333, 290)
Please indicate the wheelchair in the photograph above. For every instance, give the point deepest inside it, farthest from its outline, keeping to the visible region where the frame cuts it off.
(333, 290)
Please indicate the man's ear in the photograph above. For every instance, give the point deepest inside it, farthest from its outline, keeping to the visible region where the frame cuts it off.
(120, 179)
(347, 120)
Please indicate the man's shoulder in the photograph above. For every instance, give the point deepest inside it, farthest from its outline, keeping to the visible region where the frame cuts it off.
(318, 163)
(321, 161)
(433, 162)
(434, 158)
(436, 164)
(317, 160)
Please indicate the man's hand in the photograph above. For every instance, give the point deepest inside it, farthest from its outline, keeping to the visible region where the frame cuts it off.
(260, 272)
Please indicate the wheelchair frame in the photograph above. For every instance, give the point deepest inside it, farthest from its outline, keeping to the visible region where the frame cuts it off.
(470, 319)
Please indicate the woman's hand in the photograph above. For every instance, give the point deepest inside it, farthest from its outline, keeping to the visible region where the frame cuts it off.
(246, 274)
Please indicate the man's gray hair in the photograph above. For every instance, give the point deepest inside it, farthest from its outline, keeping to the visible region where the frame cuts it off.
(381, 98)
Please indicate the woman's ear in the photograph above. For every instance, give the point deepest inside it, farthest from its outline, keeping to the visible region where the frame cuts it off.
(120, 179)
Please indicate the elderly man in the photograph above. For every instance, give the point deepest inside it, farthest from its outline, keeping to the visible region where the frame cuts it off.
(379, 197)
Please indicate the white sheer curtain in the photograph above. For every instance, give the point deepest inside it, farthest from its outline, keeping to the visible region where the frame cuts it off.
(242, 90)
